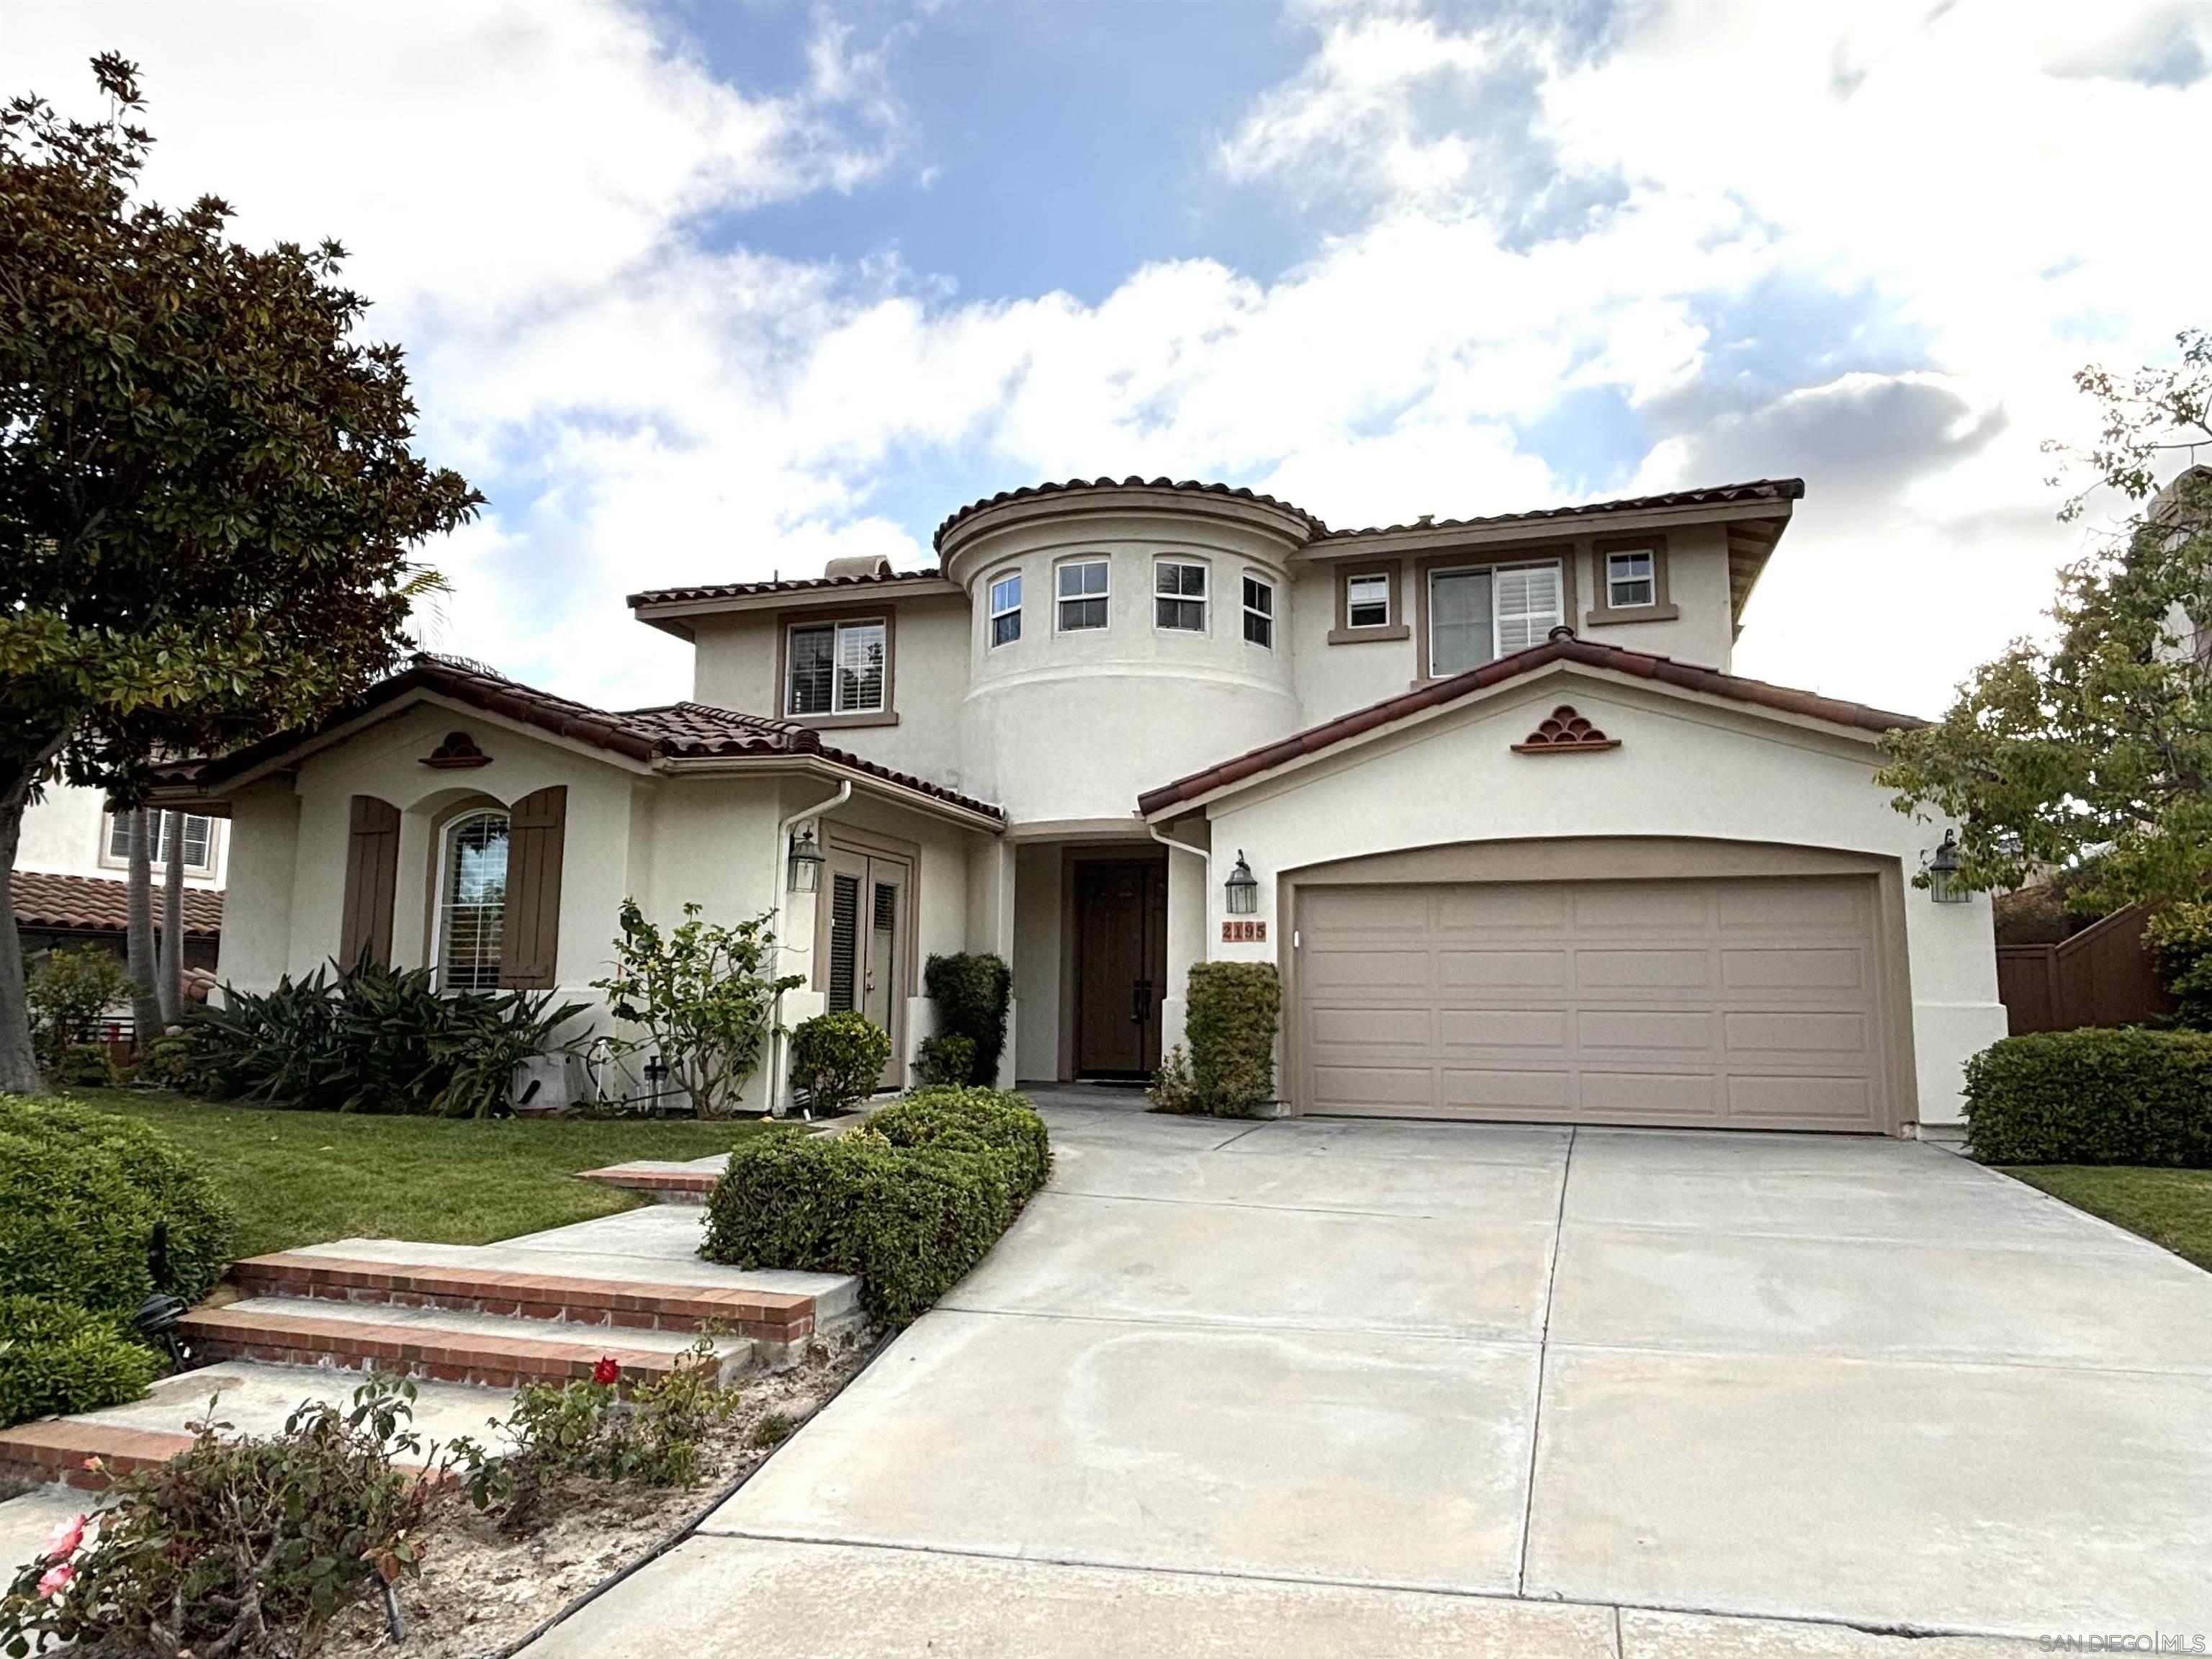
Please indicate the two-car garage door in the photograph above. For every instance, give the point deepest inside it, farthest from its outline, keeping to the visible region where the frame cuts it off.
(1745, 1003)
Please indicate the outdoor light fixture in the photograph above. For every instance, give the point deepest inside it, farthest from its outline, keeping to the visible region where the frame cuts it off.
(1243, 891)
(1942, 867)
(805, 862)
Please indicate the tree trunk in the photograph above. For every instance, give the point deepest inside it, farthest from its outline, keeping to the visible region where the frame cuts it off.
(145, 998)
(19, 1062)
(171, 966)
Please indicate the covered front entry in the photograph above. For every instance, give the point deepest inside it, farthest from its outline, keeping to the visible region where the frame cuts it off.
(1121, 965)
(1720, 1002)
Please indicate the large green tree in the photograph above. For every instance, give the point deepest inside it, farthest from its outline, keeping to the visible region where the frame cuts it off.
(210, 507)
(2091, 747)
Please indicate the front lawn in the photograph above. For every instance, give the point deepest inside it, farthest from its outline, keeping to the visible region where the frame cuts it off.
(2172, 1207)
(307, 1177)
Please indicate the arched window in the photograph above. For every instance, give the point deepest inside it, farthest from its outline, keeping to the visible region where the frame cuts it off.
(472, 902)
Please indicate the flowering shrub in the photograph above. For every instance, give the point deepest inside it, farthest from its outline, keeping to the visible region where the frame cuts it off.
(588, 1429)
(237, 1546)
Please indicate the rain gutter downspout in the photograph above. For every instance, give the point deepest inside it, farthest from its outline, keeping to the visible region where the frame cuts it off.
(775, 1014)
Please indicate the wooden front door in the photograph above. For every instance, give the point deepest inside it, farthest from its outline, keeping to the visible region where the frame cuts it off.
(864, 943)
(1121, 965)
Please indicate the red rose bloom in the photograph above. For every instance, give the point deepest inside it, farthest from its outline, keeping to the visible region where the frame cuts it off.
(606, 1371)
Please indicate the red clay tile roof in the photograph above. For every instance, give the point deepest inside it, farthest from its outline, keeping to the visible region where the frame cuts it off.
(1189, 486)
(681, 731)
(808, 584)
(1562, 646)
(1759, 490)
(98, 904)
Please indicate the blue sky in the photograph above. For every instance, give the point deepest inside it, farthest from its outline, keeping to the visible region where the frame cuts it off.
(702, 291)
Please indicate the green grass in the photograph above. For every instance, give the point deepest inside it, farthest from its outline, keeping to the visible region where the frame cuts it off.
(2172, 1207)
(307, 1177)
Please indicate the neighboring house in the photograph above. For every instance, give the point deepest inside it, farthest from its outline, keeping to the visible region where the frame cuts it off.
(69, 883)
(1521, 846)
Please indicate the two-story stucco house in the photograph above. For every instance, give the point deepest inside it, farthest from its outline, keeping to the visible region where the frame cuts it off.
(1484, 790)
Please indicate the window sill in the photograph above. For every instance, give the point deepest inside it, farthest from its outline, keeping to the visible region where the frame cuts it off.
(1368, 636)
(1602, 617)
(843, 722)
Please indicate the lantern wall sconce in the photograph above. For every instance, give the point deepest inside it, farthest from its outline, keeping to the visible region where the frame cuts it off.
(1243, 891)
(805, 862)
(1944, 886)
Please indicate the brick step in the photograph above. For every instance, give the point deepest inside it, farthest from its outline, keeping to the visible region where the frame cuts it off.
(57, 1449)
(664, 1183)
(446, 1345)
(781, 1321)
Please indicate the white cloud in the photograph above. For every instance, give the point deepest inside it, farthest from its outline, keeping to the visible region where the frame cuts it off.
(1690, 215)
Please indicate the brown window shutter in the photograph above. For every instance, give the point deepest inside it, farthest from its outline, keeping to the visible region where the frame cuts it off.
(536, 827)
(372, 879)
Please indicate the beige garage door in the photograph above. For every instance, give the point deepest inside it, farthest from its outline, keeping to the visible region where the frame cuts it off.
(1736, 1003)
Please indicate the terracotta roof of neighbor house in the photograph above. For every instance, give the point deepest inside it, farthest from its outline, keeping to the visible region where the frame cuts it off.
(681, 731)
(100, 904)
(1562, 646)
(807, 584)
(1758, 489)
(1075, 486)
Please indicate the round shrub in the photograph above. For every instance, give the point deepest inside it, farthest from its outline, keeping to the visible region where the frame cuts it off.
(81, 1195)
(838, 1058)
(2093, 1096)
(1004, 1123)
(944, 1060)
(56, 1357)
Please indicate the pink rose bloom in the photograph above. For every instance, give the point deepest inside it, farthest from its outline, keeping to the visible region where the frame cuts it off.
(65, 1539)
(57, 1580)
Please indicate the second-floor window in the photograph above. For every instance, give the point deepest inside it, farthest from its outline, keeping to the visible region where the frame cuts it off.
(1260, 613)
(1083, 594)
(837, 668)
(1179, 596)
(1631, 580)
(1477, 616)
(1367, 602)
(1006, 609)
(199, 843)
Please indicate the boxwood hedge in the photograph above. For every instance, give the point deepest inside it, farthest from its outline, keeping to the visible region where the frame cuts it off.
(908, 1203)
(56, 1357)
(2093, 1096)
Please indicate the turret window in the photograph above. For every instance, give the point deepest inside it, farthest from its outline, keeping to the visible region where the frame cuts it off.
(1006, 609)
(1179, 596)
(1258, 613)
(1083, 595)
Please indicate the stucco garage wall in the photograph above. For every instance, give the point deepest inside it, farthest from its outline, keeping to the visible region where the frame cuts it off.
(1684, 768)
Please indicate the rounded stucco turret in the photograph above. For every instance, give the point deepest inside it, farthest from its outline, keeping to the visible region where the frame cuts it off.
(1123, 633)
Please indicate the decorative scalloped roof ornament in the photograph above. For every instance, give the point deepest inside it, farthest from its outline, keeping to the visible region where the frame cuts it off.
(1564, 733)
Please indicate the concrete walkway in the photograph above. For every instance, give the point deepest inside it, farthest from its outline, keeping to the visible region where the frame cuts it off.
(1323, 1387)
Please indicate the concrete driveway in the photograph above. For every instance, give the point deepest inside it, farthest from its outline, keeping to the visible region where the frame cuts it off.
(1325, 1386)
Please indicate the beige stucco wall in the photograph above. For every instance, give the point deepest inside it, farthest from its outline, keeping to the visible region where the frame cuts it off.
(1037, 905)
(1075, 725)
(1684, 768)
(666, 840)
(735, 667)
(1696, 586)
(65, 834)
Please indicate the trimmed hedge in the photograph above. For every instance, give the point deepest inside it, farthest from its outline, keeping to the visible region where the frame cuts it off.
(908, 1203)
(2093, 1096)
(80, 1193)
(971, 992)
(1231, 1022)
(56, 1357)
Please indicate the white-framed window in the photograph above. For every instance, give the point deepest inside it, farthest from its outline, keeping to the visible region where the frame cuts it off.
(1258, 613)
(199, 841)
(1007, 608)
(472, 902)
(836, 668)
(1179, 595)
(1479, 616)
(1083, 588)
(1632, 579)
(1367, 602)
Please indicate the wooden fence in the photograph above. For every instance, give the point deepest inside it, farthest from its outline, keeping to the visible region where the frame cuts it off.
(2103, 975)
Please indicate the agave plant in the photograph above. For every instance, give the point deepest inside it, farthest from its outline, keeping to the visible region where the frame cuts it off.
(370, 1039)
